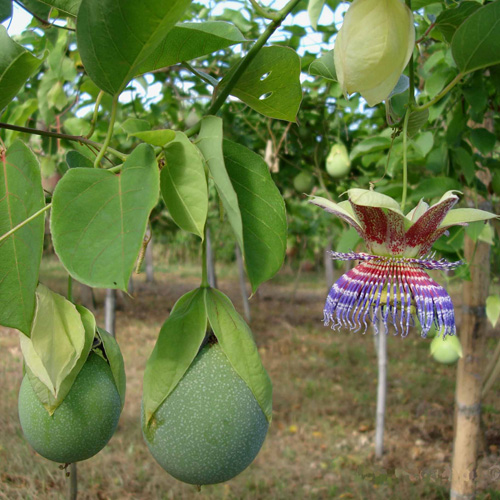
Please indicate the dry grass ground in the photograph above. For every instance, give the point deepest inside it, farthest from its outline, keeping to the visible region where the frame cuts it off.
(320, 442)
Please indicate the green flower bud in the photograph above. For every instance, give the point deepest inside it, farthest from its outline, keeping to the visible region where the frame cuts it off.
(373, 47)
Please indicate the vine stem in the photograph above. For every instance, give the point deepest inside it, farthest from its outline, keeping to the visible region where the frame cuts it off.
(264, 12)
(405, 159)
(441, 94)
(245, 62)
(93, 122)
(74, 138)
(24, 222)
(109, 134)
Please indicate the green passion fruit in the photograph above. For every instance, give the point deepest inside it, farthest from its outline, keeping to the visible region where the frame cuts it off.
(303, 182)
(82, 424)
(210, 428)
(338, 163)
(447, 350)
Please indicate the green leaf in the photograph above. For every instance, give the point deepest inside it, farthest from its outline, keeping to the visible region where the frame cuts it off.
(115, 36)
(348, 241)
(464, 160)
(483, 140)
(324, 66)
(5, 10)
(187, 41)
(210, 144)
(133, 125)
(476, 43)
(75, 159)
(115, 361)
(236, 340)
(155, 137)
(370, 145)
(402, 86)
(34, 365)
(423, 143)
(16, 66)
(450, 19)
(178, 344)
(69, 7)
(493, 309)
(314, 8)
(416, 121)
(99, 219)
(184, 185)
(21, 195)
(262, 212)
(271, 83)
(466, 215)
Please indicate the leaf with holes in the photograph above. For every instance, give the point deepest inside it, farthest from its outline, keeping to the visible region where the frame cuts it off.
(271, 83)
(98, 219)
(115, 36)
(16, 65)
(21, 195)
(262, 212)
(187, 41)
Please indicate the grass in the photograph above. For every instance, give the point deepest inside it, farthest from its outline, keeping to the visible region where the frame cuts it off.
(320, 444)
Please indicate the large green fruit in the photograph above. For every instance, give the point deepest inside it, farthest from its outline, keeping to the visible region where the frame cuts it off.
(447, 350)
(303, 182)
(337, 161)
(83, 423)
(211, 427)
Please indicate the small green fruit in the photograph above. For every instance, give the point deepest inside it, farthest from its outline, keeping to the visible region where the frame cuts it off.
(447, 350)
(210, 428)
(83, 423)
(303, 182)
(338, 164)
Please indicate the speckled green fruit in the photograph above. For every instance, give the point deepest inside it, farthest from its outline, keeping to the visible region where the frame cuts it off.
(84, 422)
(303, 182)
(211, 427)
(447, 350)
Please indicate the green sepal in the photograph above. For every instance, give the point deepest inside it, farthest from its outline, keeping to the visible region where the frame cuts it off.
(465, 215)
(236, 340)
(177, 345)
(38, 374)
(115, 360)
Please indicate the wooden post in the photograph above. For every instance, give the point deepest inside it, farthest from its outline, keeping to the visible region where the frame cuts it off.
(110, 311)
(469, 372)
(328, 261)
(212, 277)
(381, 390)
(73, 482)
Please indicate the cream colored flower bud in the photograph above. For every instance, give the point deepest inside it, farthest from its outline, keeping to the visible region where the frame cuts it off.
(373, 47)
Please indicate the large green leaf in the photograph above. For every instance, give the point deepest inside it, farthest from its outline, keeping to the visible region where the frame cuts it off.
(271, 83)
(69, 7)
(5, 10)
(450, 19)
(236, 340)
(21, 195)
(476, 43)
(99, 219)
(38, 373)
(115, 360)
(187, 41)
(184, 185)
(16, 66)
(324, 66)
(262, 212)
(115, 36)
(178, 344)
(210, 144)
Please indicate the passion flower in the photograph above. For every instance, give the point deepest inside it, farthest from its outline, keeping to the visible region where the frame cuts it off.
(373, 47)
(390, 284)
